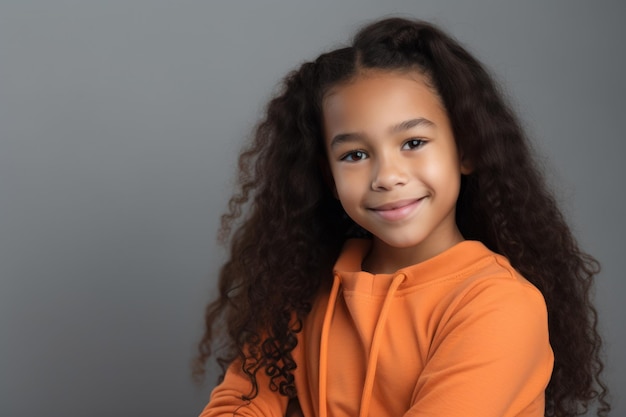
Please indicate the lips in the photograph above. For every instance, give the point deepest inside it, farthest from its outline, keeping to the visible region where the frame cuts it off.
(397, 210)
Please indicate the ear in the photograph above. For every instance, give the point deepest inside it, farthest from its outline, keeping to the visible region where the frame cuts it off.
(466, 166)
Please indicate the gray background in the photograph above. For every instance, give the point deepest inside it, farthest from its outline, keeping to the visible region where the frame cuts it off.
(120, 122)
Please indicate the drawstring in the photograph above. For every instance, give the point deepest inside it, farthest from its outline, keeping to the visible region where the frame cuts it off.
(368, 386)
(375, 348)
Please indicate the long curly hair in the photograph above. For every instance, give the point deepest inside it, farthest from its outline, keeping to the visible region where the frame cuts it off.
(286, 228)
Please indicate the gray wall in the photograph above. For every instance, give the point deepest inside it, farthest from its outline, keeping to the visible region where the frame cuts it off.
(120, 122)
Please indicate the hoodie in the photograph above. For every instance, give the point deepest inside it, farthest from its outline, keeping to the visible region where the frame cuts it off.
(460, 334)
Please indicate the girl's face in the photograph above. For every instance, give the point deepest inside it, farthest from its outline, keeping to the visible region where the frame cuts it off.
(395, 165)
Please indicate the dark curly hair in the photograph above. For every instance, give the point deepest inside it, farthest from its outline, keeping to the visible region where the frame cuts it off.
(288, 227)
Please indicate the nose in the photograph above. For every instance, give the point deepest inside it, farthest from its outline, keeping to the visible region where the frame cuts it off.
(388, 173)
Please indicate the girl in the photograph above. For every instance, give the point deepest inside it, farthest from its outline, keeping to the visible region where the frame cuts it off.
(397, 248)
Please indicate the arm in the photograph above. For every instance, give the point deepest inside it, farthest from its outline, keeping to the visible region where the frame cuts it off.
(226, 397)
(491, 357)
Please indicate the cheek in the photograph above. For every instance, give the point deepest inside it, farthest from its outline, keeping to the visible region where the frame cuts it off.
(444, 168)
(347, 186)
(344, 191)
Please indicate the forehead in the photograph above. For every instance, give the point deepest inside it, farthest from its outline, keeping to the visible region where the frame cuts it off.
(379, 98)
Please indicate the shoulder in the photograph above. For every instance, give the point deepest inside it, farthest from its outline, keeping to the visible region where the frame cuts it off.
(483, 295)
(498, 305)
(495, 284)
(471, 276)
(490, 329)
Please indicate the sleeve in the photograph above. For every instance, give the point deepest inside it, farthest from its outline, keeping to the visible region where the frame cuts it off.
(226, 397)
(490, 358)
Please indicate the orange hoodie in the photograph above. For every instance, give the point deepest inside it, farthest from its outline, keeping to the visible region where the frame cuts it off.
(461, 334)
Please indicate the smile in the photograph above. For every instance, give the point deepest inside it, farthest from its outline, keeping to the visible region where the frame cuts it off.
(397, 210)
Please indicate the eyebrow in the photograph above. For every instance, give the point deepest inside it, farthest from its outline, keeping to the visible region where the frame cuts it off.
(400, 127)
(409, 124)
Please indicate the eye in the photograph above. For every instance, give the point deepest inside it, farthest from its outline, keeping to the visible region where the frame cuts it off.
(413, 144)
(354, 156)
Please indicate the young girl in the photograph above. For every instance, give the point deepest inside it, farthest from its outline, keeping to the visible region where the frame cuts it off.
(397, 248)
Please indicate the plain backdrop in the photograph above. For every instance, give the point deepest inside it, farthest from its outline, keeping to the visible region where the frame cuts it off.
(120, 124)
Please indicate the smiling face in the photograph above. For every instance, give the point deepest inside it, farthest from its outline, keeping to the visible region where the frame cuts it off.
(395, 165)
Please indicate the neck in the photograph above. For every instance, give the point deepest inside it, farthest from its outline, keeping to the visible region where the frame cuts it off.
(385, 259)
